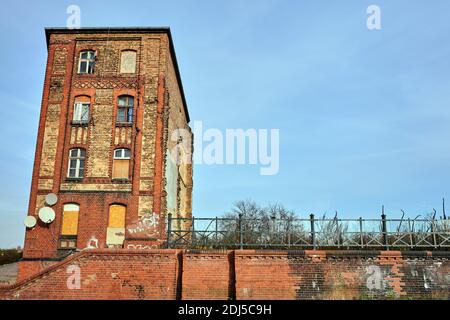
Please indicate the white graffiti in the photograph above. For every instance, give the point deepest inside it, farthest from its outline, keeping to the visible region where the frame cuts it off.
(430, 277)
(147, 224)
(92, 243)
(74, 280)
(375, 278)
(142, 246)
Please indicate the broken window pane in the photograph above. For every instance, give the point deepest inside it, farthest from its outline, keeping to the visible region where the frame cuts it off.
(87, 62)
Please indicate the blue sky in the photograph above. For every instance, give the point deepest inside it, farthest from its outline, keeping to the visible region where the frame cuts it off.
(363, 115)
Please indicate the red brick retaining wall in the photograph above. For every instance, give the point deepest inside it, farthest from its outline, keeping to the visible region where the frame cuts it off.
(206, 275)
(104, 274)
(242, 274)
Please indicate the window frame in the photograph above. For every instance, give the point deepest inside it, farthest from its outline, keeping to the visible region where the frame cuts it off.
(70, 208)
(121, 61)
(89, 60)
(128, 107)
(121, 155)
(80, 163)
(81, 120)
(68, 241)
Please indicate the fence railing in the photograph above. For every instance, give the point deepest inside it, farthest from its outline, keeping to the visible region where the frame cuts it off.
(312, 233)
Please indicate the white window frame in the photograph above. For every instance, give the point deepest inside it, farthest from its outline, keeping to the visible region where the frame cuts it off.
(129, 109)
(79, 159)
(120, 154)
(89, 60)
(78, 112)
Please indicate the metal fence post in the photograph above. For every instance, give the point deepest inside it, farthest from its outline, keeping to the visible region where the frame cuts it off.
(288, 232)
(241, 238)
(338, 233)
(169, 229)
(273, 229)
(217, 230)
(384, 230)
(361, 239)
(433, 232)
(313, 233)
(410, 233)
(193, 231)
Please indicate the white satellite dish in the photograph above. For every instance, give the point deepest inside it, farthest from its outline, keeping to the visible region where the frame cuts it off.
(46, 214)
(29, 221)
(51, 199)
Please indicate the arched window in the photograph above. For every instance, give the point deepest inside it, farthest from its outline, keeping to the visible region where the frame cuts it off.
(117, 216)
(81, 110)
(115, 234)
(69, 229)
(125, 105)
(121, 163)
(128, 61)
(86, 63)
(70, 219)
(77, 158)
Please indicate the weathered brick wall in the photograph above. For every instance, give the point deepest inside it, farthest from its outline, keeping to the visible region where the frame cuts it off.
(178, 203)
(342, 275)
(31, 267)
(107, 274)
(206, 276)
(143, 193)
(247, 274)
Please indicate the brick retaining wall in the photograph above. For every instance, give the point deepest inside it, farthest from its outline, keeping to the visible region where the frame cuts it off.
(241, 274)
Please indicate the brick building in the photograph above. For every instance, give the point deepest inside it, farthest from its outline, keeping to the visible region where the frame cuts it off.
(112, 99)
(111, 103)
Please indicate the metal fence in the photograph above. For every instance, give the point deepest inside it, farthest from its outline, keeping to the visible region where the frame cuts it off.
(312, 233)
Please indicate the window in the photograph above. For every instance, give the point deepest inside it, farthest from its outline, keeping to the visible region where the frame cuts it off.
(69, 229)
(115, 234)
(117, 216)
(121, 163)
(122, 154)
(76, 163)
(125, 109)
(87, 62)
(81, 112)
(70, 220)
(128, 61)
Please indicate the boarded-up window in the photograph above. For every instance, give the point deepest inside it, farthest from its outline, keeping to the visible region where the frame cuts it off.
(70, 220)
(121, 163)
(115, 234)
(117, 216)
(128, 62)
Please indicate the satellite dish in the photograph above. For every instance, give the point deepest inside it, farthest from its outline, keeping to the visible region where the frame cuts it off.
(46, 214)
(29, 221)
(51, 199)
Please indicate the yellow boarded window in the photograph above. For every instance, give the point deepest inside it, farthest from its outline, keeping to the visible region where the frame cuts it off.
(117, 216)
(70, 220)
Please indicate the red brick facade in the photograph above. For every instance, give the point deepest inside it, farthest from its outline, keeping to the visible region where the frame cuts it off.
(156, 89)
